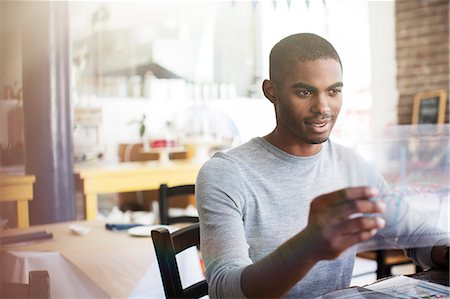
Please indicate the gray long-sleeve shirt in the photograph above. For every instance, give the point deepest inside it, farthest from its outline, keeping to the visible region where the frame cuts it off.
(255, 197)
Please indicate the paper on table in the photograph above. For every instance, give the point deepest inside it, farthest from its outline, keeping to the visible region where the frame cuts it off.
(355, 293)
(409, 288)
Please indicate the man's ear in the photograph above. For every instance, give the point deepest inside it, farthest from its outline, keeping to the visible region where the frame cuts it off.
(269, 91)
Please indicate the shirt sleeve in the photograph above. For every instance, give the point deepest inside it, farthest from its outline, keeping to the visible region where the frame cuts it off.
(220, 203)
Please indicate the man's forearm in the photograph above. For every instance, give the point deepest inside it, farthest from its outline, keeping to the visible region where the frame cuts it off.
(274, 275)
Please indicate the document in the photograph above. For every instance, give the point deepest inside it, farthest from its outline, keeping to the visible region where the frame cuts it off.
(408, 288)
(393, 287)
(355, 293)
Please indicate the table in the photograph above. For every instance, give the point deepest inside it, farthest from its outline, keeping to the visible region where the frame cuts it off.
(95, 179)
(100, 264)
(17, 187)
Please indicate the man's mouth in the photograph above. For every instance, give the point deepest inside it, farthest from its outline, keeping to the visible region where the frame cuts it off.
(319, 126)
(318, 122)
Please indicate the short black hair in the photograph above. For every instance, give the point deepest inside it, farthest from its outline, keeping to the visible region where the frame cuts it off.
(299, 47)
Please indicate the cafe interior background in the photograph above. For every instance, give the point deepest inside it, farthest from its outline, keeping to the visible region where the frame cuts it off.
(83, 83)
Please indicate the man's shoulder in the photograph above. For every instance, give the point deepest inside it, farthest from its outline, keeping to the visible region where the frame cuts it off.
(232, 159)
(239, 153)
(220, 161)
(246, 147)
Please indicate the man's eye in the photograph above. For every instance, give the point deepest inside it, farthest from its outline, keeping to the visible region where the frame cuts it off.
(335, 91)
(304, 93)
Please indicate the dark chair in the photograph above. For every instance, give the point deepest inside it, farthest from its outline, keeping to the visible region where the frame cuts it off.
(386, 259)
(38, 287)
(167, 246)
(166, 194)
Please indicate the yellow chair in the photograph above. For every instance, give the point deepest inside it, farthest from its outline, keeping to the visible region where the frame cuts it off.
(386, 259)
(17, 188)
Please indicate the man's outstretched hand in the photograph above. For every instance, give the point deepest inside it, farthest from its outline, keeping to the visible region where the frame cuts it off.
(337, 221)
(343, 218)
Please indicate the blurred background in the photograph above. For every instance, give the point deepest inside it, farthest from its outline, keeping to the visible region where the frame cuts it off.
(104, 102)
(115, 81)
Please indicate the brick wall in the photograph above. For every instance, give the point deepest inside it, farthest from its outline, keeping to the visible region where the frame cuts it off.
(422, 51)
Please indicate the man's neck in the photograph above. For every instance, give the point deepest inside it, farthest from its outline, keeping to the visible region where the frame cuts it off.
(296, 148)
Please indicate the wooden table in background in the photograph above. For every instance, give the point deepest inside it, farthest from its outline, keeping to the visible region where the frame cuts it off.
(19, 188)
(99, 264)
(95, 179)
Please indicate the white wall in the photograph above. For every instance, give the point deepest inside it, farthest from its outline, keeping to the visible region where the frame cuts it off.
(384, 66)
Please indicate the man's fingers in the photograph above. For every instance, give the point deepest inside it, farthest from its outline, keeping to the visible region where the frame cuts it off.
(354, 207)
(350, 233)
(357, 230)
(353, 239)
(358, 192)
(341, 217)
(360, 224)
(351, 193)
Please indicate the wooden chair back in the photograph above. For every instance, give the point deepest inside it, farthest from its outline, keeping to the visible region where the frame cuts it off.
(168, 194)
(167, 246)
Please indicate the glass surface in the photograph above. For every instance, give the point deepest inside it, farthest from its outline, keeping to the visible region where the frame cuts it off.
(415, 162)
(162, 57)
(165, 49)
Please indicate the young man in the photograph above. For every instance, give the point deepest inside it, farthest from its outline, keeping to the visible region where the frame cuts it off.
(280, 215)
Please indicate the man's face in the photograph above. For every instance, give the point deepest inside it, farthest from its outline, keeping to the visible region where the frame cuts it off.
(309, 100)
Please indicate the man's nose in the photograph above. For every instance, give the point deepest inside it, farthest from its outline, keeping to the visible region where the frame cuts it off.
(320, 104)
